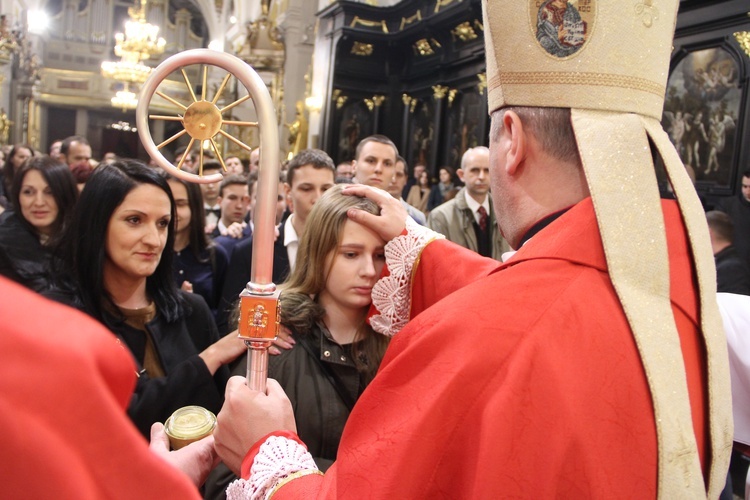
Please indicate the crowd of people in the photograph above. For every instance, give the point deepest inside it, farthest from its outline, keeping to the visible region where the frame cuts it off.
(420, 356)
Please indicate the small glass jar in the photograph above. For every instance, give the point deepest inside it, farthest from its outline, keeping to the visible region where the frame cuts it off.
(189, 424)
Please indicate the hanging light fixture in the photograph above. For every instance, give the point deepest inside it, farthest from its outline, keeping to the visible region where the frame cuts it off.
(140, 37)
(139, 42)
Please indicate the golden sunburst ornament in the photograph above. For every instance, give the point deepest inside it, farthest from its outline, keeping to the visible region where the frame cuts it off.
(202, 119)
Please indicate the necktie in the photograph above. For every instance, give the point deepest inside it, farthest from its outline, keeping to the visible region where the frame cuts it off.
(483, 217)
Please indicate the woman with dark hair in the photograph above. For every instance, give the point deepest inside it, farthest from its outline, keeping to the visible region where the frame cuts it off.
(18, 154)
(441, 192)
(199, 264)
(44, 195)
(122, 277)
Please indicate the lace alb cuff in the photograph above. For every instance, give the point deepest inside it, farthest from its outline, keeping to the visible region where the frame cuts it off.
(391, 295)
(277, 459)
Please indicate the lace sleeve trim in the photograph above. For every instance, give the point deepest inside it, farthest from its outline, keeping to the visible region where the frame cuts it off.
(391, 295)
(277, 460)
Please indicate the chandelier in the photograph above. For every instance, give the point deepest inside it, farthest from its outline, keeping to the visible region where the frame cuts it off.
(126, 69)
(124, 99)
(140, 42)
(140, 38)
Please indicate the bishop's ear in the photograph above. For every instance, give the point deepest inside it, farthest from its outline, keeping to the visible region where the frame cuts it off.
(515, 141)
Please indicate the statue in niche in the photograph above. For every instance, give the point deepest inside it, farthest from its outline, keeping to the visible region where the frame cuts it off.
(5, 124)
(298, 131)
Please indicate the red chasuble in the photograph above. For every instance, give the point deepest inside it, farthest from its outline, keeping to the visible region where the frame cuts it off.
(525, 382)
(65, 384)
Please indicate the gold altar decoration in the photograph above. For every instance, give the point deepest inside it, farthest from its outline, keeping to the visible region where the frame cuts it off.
(464, 31)
(743, 38)
(405, 21)
(439, 91)
(362, 49)
(369, 24)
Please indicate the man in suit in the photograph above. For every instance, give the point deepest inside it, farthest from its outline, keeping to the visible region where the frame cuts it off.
(211, 196)
(396, 187)
(311, 172)
(469, 218)
(732, 273)
(234, 199)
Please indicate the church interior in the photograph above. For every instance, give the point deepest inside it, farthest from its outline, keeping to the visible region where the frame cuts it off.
(336, 71)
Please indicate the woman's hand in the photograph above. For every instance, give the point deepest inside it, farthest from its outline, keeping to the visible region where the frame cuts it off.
(284, 341)
(223, 351)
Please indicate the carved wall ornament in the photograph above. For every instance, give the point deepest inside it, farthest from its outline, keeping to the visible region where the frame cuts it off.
(464, 31)
(378, 99)
(369, 24)
(439, 91)
(406, 99)
(370, 104)
(362, 49)
(423, 47)
(443, 3)
(743, 38)
(451, 96)
(340, 101)
(482, 85)
(405, 21)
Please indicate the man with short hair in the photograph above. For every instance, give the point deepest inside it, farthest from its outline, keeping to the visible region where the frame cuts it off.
(396, 187)
(738, 209)
(591, 364)
(234, 165)
(732, 273)
(469, 218)
(54, 149)
(310, 174)
(76, 152)
(374, 160)
(235, 203)
(254, 160)
(344, 172)
(210, 193)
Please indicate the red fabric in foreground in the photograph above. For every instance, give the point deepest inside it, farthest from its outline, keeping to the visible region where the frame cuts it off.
(64, 388)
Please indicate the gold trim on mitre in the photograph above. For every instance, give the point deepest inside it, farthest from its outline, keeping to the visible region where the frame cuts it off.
(609, 65)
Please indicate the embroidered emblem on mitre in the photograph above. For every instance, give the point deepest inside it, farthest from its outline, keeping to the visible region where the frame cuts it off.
(562, 27)
(608, 55)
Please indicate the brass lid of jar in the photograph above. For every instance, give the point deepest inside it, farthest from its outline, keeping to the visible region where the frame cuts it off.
(189, 424)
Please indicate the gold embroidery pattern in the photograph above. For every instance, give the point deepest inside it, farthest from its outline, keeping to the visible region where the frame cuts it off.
(647, 12)
(595, 79)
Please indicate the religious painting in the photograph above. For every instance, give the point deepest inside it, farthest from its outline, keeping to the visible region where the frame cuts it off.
(355, 124)
(701, 112)
(422, 134)
(466, 117)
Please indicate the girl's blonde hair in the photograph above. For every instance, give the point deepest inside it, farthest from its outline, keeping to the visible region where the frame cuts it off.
(299, 307)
